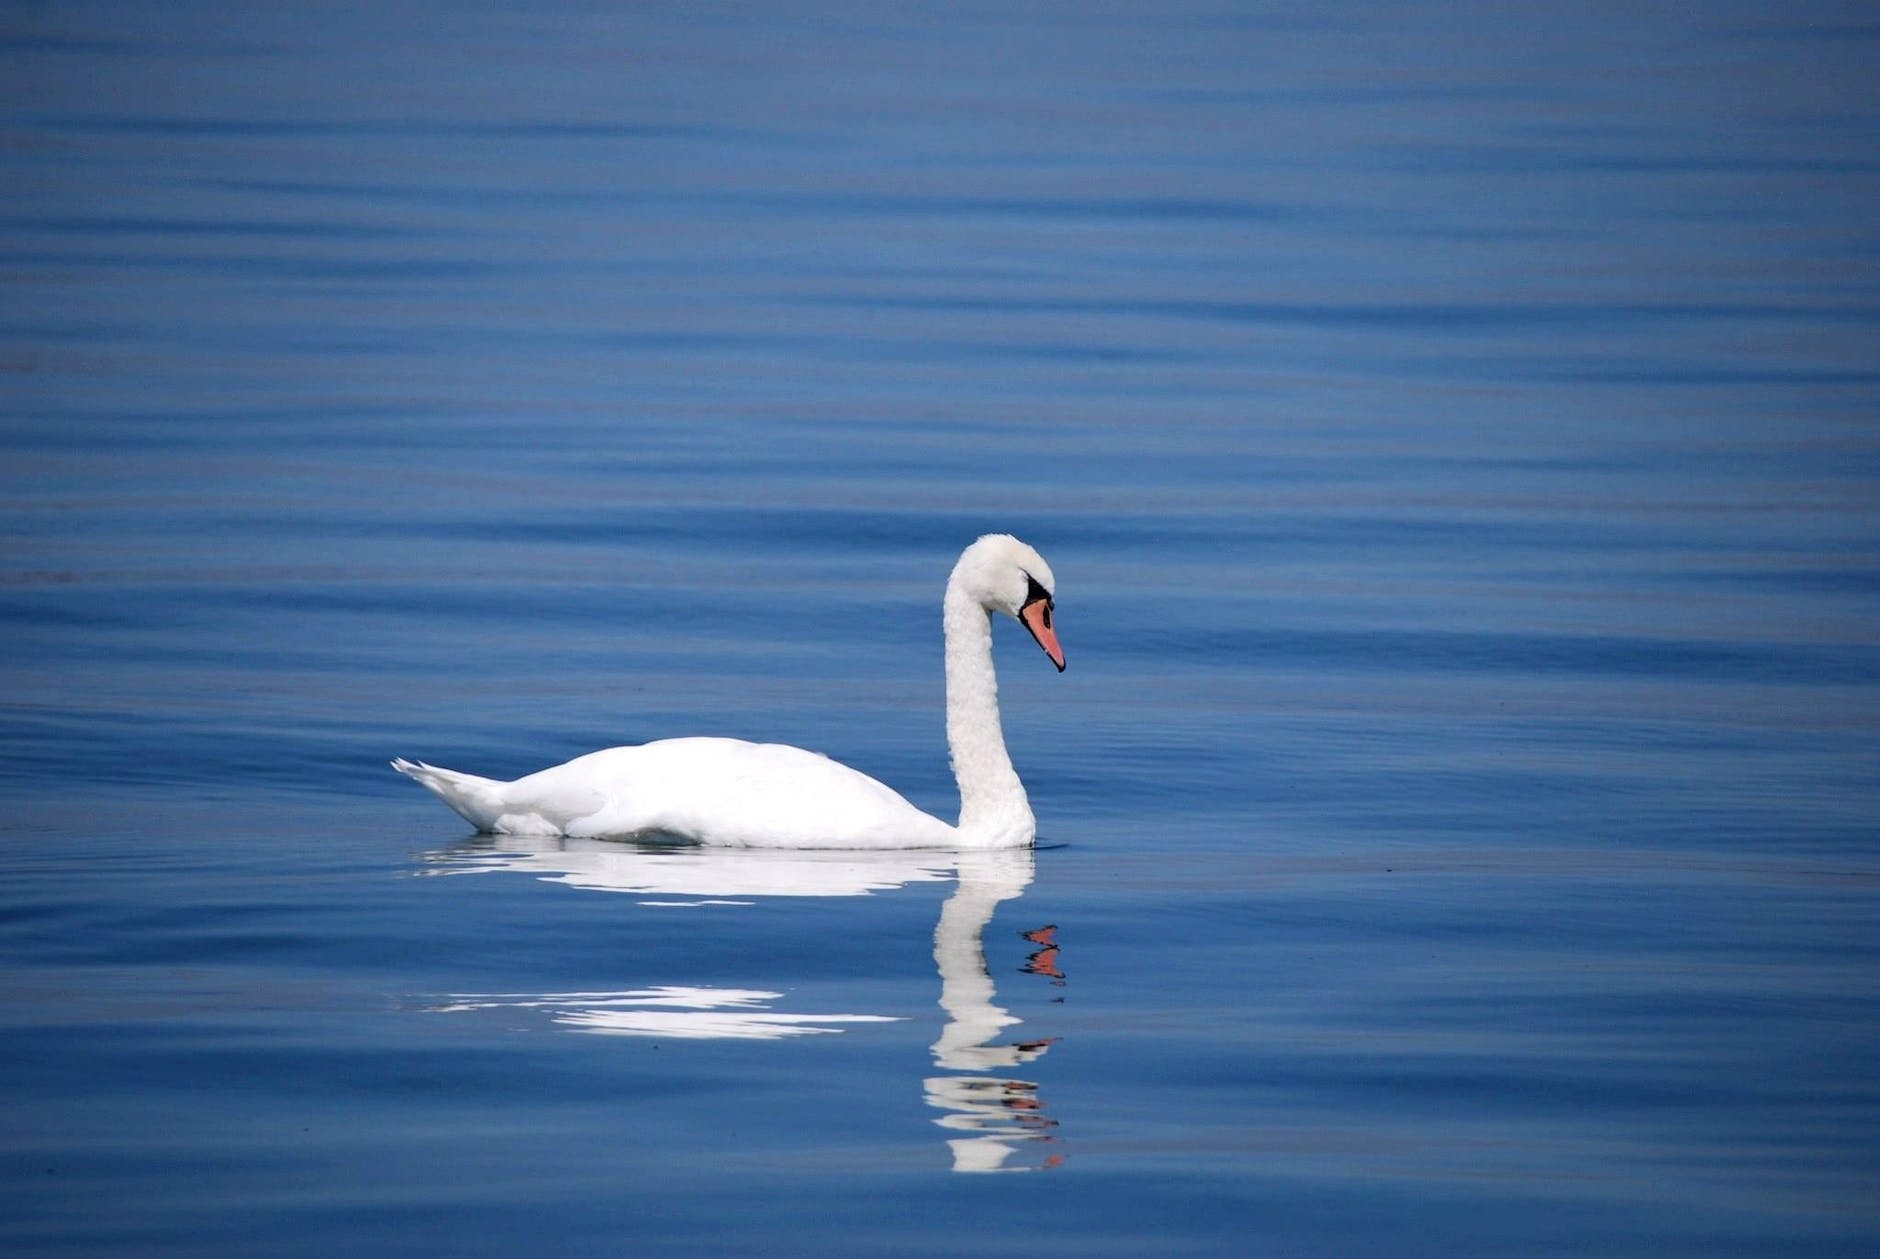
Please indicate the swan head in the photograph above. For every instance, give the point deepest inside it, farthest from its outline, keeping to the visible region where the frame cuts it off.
(1005, 575)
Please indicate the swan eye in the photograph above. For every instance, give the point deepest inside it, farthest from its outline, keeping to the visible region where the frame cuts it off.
(1033, 593)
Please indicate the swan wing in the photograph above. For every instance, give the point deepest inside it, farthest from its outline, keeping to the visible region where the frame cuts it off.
(719, 791)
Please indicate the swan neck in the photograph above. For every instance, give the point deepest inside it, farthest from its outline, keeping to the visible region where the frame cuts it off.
(994, 811)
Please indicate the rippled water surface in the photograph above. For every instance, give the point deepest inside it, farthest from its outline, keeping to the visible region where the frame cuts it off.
(1453, 430)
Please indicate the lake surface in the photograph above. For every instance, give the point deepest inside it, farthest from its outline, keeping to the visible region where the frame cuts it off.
(1453, 429)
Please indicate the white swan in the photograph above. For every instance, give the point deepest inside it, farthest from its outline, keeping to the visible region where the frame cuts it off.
(768, 795)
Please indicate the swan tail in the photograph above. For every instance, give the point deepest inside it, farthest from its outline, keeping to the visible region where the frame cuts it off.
(478, 801)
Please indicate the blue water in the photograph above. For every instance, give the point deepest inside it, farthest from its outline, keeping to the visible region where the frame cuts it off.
(1453, 428)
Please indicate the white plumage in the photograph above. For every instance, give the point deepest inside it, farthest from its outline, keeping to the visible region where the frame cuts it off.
(770, 795)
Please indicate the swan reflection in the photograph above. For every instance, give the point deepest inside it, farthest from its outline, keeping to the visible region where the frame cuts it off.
(1001, 1114)
(695, 875)
(992, 1118)
(668, 1013)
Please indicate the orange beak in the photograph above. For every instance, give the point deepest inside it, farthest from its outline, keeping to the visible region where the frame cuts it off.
(1037, 618)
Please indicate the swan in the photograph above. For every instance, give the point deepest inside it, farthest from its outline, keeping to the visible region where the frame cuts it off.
(769, 795)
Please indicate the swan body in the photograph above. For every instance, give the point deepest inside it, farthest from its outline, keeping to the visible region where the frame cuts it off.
(769, 795)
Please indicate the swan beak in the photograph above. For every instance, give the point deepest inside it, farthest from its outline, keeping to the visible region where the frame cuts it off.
(1037, 618)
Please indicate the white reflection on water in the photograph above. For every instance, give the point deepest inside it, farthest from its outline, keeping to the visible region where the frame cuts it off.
(666, 1012)
(702, 876)
(997, 1115)
(1002, 1114)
